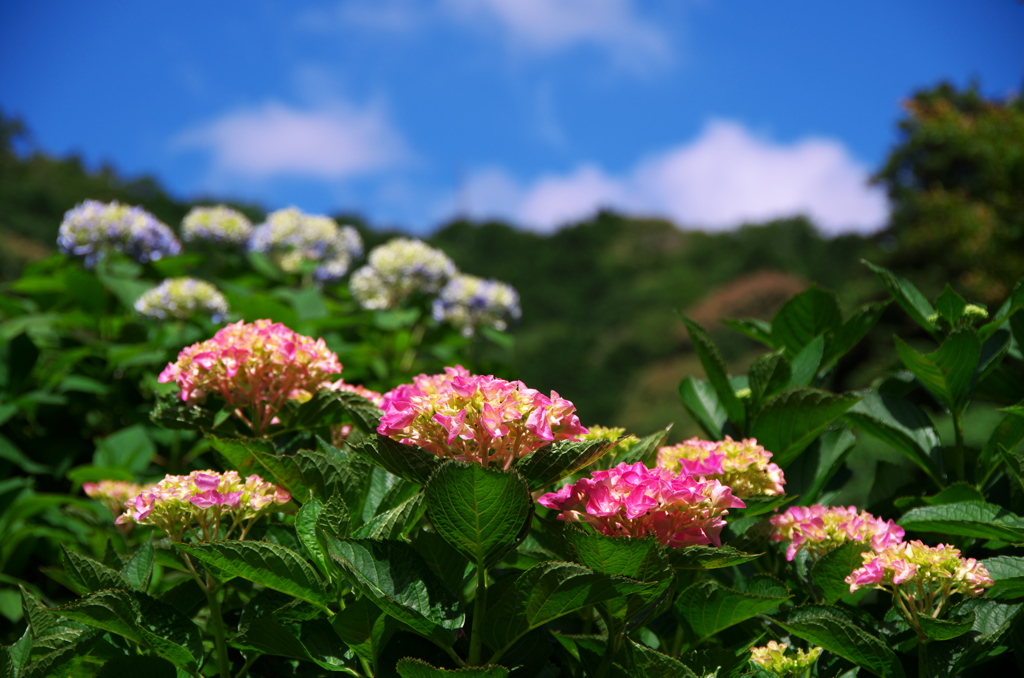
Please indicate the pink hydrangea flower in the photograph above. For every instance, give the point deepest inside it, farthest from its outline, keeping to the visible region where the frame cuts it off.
(254, 367)
(822, 528)
(926, 569)
(744, 466)
(112, 493)
(202, 503)
(479, 419)
(632, 500)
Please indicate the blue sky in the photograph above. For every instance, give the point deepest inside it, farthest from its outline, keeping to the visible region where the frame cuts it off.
(708, 112)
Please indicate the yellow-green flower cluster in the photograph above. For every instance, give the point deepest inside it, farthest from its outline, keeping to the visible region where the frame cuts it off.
(398, 269)
(295, 242)
(181, 298)
(218, 225)
(774, 659)
(744, 465)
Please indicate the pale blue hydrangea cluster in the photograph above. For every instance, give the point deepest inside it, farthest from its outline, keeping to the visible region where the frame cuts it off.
(218, 225)
(93, 228)
(293, 239)
(469, 302)
(396, 270)
(181, 298)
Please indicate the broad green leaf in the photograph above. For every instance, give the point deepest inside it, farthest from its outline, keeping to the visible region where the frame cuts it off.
(833, 448)
(483, 513)
(269, 636)
(342, 472)
(139, 569)
(553, 462)
(993, 351)
(417, 668)
(267, 564)
(805, 364)
(829, 572)
(944, 629)
(646, 450)
(790, 421)
(640, 559)
(546, 592)
(331, 408)
(395, 577)
(396, 522)
(812, 313)
(947, 373)
(950, 305)
(354, 625)
(967, 519)
(1008, 574)
(838, 635)
(708, 607)
(11, 453)
(901, 424)
(14, 657)
(703, 406)
(641, 660)
(306, 521)
(991, 632)
(955, 493)
(761, 504)
(768, 375)
(453, 568)
(129, 448)
(89, 575)
(1008, 435)
(405, 461)
(907, 296)
(715, 369)
(1013, 303)
(853, 330)
(708, 557)
(755, 328)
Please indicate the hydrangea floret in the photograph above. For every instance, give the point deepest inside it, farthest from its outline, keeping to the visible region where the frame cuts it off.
(256, 368)
(744, 465)
(397, 269)
(921, 578)
(181, 298)
(218, 225)
(474, 418)
(92, 229)
(818, 529)
(294, 240)
(204, 504)
(112, 493)
(775, 659)
(469, 302)
(632, 500)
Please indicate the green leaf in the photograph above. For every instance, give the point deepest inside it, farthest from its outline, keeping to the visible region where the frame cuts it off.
(755, 328)
(833, 448)
(89, 575)
(129, 448)
(267, 564)
(417, 668)
(137, 665)
(354, 625)
(768, 375)
(306, 519)
(640, 660)
(646, 451)
(944, 629)
(405, 461)
(708, 607)
(640, 559)
(331, 408)
(790, 421)
(546, 592)
(1013, 303)
(948, 372)
(1008, 574)
(269, 636)
(560, 459)
(139, 569)
(950, 305)
(1007, 435)
(852, 331)
(708, 557)
(812, 313)
(806, 363)
(830, 629)
(395, 577)
(907, 296)
(11, 453)
(901, 424)
(703, 406)
(830, 571)
(714, 367)
(967, 519)
(396, 522)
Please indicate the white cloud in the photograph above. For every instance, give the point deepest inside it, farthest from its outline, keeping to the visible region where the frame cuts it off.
(333, 141)
(726, 177)
(551, 25)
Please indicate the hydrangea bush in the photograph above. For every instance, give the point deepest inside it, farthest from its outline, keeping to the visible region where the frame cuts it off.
(181, 298)
(94, 229)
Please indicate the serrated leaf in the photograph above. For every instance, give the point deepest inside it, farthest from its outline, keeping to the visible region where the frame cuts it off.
(405, 461)
(768, 375)
(646, 451)
(898, 422)
(268, 636)
(853, 330)
(640, 559)
(90, 575)
(947, 373)
(790, 421)
(907, 296)
(703, 406)
(306, 519)
(839, 636)
(641, 661)
(417, 668)
(139, 569)
(715, 369)
(395, 577)
(560, 459)
(812, 313)
(968, 519)
(830, 571)
(944, 629)
(397, 522)
(708, 557)
(482, 513)
(354, 625)
(708, 607)
(755, 328)
(264, 563)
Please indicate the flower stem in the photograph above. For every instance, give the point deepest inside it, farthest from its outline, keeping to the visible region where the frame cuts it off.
(958, 451)
(217, 621)
(476, 640)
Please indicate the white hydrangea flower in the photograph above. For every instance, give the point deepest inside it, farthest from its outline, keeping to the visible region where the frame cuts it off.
(469, 302)
(218, 224)
(291, 238)
(398, 269)
(180, 298)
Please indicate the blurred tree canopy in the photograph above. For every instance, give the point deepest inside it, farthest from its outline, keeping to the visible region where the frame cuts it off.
(956, 183)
